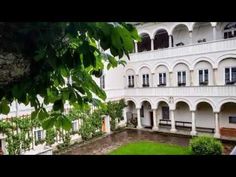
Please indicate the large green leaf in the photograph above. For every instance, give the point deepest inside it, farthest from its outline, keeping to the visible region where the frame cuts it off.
(58, 105)
(4, 107)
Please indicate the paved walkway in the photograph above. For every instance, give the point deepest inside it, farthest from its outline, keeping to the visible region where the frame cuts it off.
(104, 145)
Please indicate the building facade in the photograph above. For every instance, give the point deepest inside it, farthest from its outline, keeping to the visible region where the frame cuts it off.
(181, 76)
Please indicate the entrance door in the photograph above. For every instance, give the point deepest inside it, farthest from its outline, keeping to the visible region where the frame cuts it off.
(151, 118)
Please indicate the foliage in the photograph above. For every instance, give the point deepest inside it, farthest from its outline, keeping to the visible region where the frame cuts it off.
(115, 110)
(41, 141)
(91, 125)
(58, 50)
(50, 136)
(205, 145)
(14, 144)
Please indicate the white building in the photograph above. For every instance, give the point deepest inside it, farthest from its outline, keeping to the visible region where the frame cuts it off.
(181, 76)
(180, 79)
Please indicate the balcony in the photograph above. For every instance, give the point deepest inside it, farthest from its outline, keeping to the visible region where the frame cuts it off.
(201, 91)
(194, 49)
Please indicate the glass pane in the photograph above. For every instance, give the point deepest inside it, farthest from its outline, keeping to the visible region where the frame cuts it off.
(160, 78)
(200, 76)
(227, 74)
(184, 77)
(233, 74)
(206, 74)
(164, 75)
(143, 79)
(179, 77)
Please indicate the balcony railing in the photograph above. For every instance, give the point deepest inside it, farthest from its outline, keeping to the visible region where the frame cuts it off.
(193, 49)
(226, 91)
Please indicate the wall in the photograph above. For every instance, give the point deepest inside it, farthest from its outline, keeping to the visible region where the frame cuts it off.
(204, 116)
(221, 69)
(229, 109)
(161, 69)
(182, 112)
(181, 34)
(202, 65)
(203, 31)
(145, 121)
(180, 67)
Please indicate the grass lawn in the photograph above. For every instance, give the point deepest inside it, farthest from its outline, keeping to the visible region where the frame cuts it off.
(150, 148)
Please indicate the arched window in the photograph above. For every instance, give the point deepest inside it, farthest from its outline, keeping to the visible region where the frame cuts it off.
(161, 40)
(145, 44)
(230, 30)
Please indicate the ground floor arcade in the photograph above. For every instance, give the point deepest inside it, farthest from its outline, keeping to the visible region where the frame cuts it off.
(182, 116)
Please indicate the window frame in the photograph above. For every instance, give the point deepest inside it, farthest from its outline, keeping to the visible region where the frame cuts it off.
(229, 77)
(183, 77)
(162, 79)
(205, 77)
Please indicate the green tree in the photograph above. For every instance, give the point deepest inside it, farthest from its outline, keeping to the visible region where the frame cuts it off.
(35, 59)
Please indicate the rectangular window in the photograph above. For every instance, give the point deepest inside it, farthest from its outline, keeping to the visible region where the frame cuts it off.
(162, 79)
(232, 119)
(230, 75)
(38, 135)
(131, 81)
(203, 77)
(234, 74)
(181, 78)
(102, 82)
(75, 125)
(145, 80)
(165, 112)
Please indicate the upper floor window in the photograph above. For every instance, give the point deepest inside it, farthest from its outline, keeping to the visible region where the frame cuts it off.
(145, 44)
(230, 30)
(230, 75)
(181, 78)
(102, 82)
(145, 80)
(162, 79)
(203, 77)
(131, 81)
(161, 39)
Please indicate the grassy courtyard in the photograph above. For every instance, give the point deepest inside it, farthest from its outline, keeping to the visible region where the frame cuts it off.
(150, 148)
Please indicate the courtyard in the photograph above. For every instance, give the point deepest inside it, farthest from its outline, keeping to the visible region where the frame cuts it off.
(109, 144)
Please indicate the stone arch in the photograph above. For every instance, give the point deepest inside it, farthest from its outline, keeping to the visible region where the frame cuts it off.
(145, 65)
(179, 62)
(142, 32)
(130, 69)
(211, 103)
(148, 100)
(226, 100)
(158, 100)
(200, 59)
(159, 28)
(176, 25)
(185, 101)
(159, 64)
(133, 100)
(223, 57)
(194, 23)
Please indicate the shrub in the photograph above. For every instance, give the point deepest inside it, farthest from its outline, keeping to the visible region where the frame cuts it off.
(91, 125)
(205, 145)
